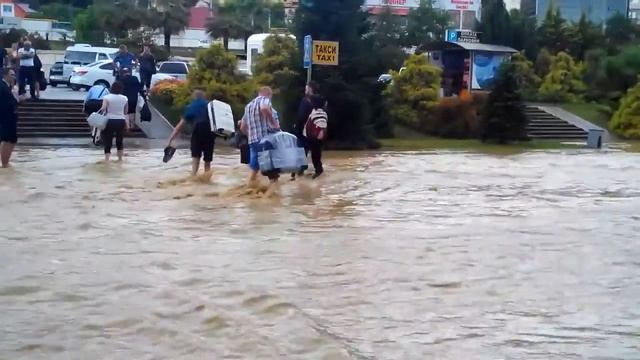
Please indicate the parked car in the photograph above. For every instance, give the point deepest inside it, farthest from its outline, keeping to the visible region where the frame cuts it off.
(171, 70)
(99, 72)
(56, 75)
(387, 78)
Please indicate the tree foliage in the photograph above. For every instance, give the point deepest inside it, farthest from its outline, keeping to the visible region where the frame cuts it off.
(553, 33)
(526, 78)
(496, 23)
(215, 72)
(413, 94)
(564, 80)
(347, 86)
(241, 18)
(387, 34)
(584, 36)
(503, 118)
(425, 24)
(626, 121)
(277, 67)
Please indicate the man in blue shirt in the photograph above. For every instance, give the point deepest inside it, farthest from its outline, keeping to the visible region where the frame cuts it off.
(202, 138)
(124, 60)
(93, 101)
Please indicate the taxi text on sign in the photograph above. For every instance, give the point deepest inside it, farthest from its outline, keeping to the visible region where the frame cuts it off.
(325, 52)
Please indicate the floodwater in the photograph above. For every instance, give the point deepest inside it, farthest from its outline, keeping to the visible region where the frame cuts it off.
(390, 256)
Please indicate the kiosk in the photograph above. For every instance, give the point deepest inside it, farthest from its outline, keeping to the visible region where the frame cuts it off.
(466, 63)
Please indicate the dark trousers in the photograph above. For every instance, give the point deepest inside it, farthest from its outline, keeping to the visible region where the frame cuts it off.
(26, 74)
(115, 128)
(315, 147)
(146, 79)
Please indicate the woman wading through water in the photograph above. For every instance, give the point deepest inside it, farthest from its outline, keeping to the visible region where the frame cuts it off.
(115, 107)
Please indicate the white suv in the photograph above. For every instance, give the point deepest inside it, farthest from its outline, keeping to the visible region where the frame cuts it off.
(100, 72)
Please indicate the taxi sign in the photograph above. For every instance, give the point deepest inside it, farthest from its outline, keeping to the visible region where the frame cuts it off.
(326, 52)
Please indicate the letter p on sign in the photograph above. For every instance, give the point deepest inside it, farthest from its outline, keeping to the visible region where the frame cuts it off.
(326, 52)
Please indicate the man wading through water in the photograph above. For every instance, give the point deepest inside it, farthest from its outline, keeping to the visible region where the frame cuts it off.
(258, 121)
(202, 139)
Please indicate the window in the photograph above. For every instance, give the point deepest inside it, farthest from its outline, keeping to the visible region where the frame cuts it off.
(79, 57)
(7, 10)
(102, 56)
(107, 66)
(173, 68)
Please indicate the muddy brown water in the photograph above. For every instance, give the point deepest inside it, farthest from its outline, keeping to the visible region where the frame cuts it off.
(407, 255)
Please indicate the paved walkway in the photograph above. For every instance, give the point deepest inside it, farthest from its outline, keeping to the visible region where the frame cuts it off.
(62, 93)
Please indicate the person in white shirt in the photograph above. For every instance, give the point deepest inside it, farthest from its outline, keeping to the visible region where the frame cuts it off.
(115, 106)
(26, 55)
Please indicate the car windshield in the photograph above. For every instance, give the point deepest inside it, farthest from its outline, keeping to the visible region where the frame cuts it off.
(94, 64)
(79, 57)
(172, 68)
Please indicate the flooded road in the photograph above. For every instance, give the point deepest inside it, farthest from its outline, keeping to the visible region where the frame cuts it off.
(391, 256)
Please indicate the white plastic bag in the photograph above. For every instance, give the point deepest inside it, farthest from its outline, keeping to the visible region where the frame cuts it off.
(97, 120)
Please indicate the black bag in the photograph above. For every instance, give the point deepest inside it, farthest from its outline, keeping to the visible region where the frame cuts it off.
(42, 81)
(37, 64)
(145, 113)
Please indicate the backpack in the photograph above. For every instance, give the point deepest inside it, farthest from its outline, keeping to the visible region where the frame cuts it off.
(316, 123)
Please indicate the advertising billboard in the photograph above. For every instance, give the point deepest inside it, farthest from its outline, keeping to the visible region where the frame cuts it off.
(485, 68)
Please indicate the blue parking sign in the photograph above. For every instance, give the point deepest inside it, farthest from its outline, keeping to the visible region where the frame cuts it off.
(307, 51)
(452, 36)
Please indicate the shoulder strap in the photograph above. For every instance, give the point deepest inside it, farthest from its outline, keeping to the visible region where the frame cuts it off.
(212, 122)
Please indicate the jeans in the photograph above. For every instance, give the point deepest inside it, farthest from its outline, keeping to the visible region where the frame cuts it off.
(26, 74)
(146, 79)
(115, 127)
(315, 146)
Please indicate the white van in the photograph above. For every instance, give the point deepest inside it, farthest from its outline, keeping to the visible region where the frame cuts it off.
(255, 47)
(85, 54)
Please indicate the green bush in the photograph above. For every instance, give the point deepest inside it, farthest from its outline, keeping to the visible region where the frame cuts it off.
(456, 118)
(528, 81)
(564, 81)
(215, 72)
(413, 94)
(626, 121)
(503, 119)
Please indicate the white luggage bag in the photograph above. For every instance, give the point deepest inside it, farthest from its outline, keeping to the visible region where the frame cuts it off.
(221, 119)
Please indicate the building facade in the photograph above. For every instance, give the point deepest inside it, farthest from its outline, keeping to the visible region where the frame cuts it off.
(598, 11)
(634, 11)
(463, 13)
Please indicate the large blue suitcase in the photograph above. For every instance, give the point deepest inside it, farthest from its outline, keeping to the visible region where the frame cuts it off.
(281, 153)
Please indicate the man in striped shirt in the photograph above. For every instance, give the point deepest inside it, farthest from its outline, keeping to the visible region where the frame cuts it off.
(257, 122)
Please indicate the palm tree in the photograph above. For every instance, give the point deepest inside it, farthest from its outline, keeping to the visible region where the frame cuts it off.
(238, 19)
(170, 15)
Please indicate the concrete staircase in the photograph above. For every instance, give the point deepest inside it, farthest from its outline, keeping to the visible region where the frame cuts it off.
(55, 119)
(543, 125)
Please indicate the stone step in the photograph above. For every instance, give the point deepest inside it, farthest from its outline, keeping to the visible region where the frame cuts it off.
(51, 119)
(557, 137)
(53, 124)
(87, 134)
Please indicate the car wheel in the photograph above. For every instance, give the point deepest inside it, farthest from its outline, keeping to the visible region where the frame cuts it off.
(103, 83)
(53, 84)
(75, 87)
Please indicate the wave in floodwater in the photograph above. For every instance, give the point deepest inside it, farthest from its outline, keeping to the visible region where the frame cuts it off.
(386, 256)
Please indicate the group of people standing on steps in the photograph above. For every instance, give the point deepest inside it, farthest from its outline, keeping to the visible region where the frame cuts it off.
(26, 64)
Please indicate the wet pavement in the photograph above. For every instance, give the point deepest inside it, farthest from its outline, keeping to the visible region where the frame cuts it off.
(391, 255)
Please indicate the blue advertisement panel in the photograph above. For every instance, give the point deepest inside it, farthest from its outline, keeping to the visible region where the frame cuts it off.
(485, 69)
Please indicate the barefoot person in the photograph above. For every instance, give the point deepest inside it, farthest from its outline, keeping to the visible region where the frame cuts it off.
(257, 121)
(8, 116)
(115, 105)
(202, 139)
